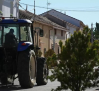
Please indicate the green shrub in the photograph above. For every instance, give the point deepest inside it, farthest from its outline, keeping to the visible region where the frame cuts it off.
(52, 61)
(77, 59)
(49, 53)
(51, 58)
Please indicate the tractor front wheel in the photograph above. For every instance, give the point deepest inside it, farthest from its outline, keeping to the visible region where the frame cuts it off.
(26, 69)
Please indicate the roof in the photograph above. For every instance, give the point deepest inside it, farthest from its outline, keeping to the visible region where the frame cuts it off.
(65, 15)
(60, 20)
(28, 15)
(11, 21)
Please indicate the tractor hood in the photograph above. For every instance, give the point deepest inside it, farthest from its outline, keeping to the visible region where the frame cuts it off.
(23, 46)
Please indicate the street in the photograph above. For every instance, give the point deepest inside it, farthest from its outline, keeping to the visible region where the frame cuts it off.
(16, 87)
(48, 87)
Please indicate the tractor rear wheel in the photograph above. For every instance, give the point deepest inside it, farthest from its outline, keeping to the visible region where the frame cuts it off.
(42, 71)
(26, 69)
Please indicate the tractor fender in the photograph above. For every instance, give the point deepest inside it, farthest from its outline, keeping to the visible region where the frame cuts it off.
(33, 53)
(22, 46)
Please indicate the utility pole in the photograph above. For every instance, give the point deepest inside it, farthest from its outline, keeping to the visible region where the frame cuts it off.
(26, 7)
(34, 9)
(54, 43)
(47, 5)
(91, 32)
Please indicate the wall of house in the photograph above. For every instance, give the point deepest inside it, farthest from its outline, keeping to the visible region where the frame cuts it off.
(0, 5)
(71, 29)
(6, 8)
(54, 39)
(9, 7)
(81, 28)
(44, 42)
(15, 9)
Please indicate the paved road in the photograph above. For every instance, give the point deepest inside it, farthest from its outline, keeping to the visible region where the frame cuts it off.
(16, 87)
(47, 87)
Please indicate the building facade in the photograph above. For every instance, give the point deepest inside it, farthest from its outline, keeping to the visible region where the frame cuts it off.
(9, 8)
(53, 32)
(64, 20)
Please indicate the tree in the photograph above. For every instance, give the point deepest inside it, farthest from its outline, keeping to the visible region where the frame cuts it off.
(52, 61)
(51, 58)
(78, 57)
(49, 53)
(96, 32)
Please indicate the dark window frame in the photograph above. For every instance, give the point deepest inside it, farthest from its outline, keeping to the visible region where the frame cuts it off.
(61, 33)
(55, 31)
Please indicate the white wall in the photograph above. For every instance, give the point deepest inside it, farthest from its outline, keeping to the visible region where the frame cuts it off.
(59, 35)
(67, 35)
(57, 38)
(15, 9)
(0, 5)
(81, 28)
(6, 8)
(9, 7)
(71, 29)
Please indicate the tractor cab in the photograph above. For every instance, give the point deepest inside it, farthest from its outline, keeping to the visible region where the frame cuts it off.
(13, 31)
(15, 36)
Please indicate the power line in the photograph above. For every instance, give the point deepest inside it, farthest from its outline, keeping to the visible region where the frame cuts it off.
(21, 7)
(61, 9)
(96, 7)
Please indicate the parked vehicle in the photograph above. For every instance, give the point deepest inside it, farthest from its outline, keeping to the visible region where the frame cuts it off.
(17, 54)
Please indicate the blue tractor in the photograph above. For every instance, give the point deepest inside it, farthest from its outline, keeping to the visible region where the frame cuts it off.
(18, 58)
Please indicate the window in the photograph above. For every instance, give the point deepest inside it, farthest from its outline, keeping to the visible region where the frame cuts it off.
(8, 27)
(55, 31)
(9, 34)
(25, 33)
(61, 33)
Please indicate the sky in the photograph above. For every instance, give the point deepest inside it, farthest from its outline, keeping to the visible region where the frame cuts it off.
(86, 17)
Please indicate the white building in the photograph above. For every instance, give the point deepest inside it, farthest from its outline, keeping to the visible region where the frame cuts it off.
(72, 24)
(9, 8)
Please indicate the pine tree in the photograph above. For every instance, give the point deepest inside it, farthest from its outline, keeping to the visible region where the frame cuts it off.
(78, 57)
